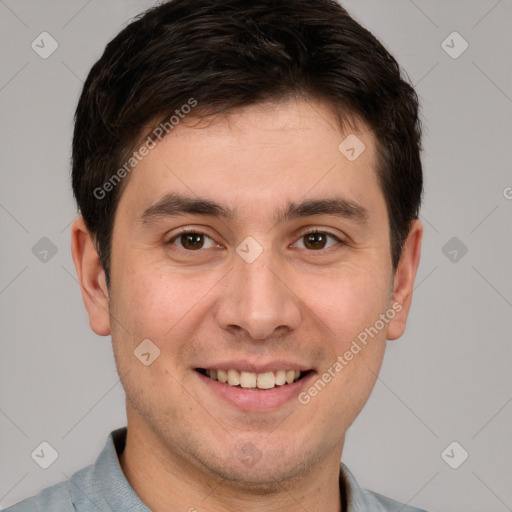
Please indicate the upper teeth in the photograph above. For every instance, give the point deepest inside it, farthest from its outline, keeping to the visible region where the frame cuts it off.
(265, 380)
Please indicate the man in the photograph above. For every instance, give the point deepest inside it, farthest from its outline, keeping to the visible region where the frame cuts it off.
(249, 180)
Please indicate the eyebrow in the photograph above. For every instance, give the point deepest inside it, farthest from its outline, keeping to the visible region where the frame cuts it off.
(174, 205)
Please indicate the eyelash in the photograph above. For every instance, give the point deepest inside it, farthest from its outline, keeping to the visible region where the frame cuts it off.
(302, 235)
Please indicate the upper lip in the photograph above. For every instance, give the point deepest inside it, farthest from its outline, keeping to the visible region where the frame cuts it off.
(247, 366)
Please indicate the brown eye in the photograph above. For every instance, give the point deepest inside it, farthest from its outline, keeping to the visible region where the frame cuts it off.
(317, 240)
(192, 241)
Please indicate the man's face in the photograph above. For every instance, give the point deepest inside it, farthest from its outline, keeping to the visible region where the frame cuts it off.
(251, 291)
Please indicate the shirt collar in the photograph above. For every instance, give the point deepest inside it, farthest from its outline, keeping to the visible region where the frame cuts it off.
(116, 489)
(357, 499)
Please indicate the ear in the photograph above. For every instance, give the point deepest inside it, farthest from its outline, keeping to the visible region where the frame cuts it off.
(403, 284)
(91, 277)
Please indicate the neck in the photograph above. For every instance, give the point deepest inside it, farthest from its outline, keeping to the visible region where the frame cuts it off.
(169, 482)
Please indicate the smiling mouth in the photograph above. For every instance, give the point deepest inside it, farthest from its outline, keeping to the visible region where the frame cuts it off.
(250, 380)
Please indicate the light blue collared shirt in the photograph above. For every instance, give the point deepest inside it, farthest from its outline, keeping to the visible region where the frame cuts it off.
(102, 487)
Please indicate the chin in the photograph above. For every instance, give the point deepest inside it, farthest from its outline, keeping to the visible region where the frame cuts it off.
(262, 480)
(270, 473)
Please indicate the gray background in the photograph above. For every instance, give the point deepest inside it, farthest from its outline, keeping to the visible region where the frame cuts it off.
(448, 379)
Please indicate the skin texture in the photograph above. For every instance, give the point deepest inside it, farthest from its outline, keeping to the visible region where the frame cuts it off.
(205, 306)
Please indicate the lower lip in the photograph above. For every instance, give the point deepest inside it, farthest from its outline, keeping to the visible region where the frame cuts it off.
(257, 399)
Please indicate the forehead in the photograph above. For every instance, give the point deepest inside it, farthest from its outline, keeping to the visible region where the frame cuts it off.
(260, 157)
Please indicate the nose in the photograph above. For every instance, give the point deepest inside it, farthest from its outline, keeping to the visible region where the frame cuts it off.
(258, 299)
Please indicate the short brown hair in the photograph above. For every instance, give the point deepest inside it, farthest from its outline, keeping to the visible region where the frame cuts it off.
(229, 54)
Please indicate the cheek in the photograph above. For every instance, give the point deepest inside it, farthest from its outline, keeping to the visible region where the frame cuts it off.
(155, 301)
(347, 305)
(148, 305)
(165, 307)
(348, 301)
(346, 310)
